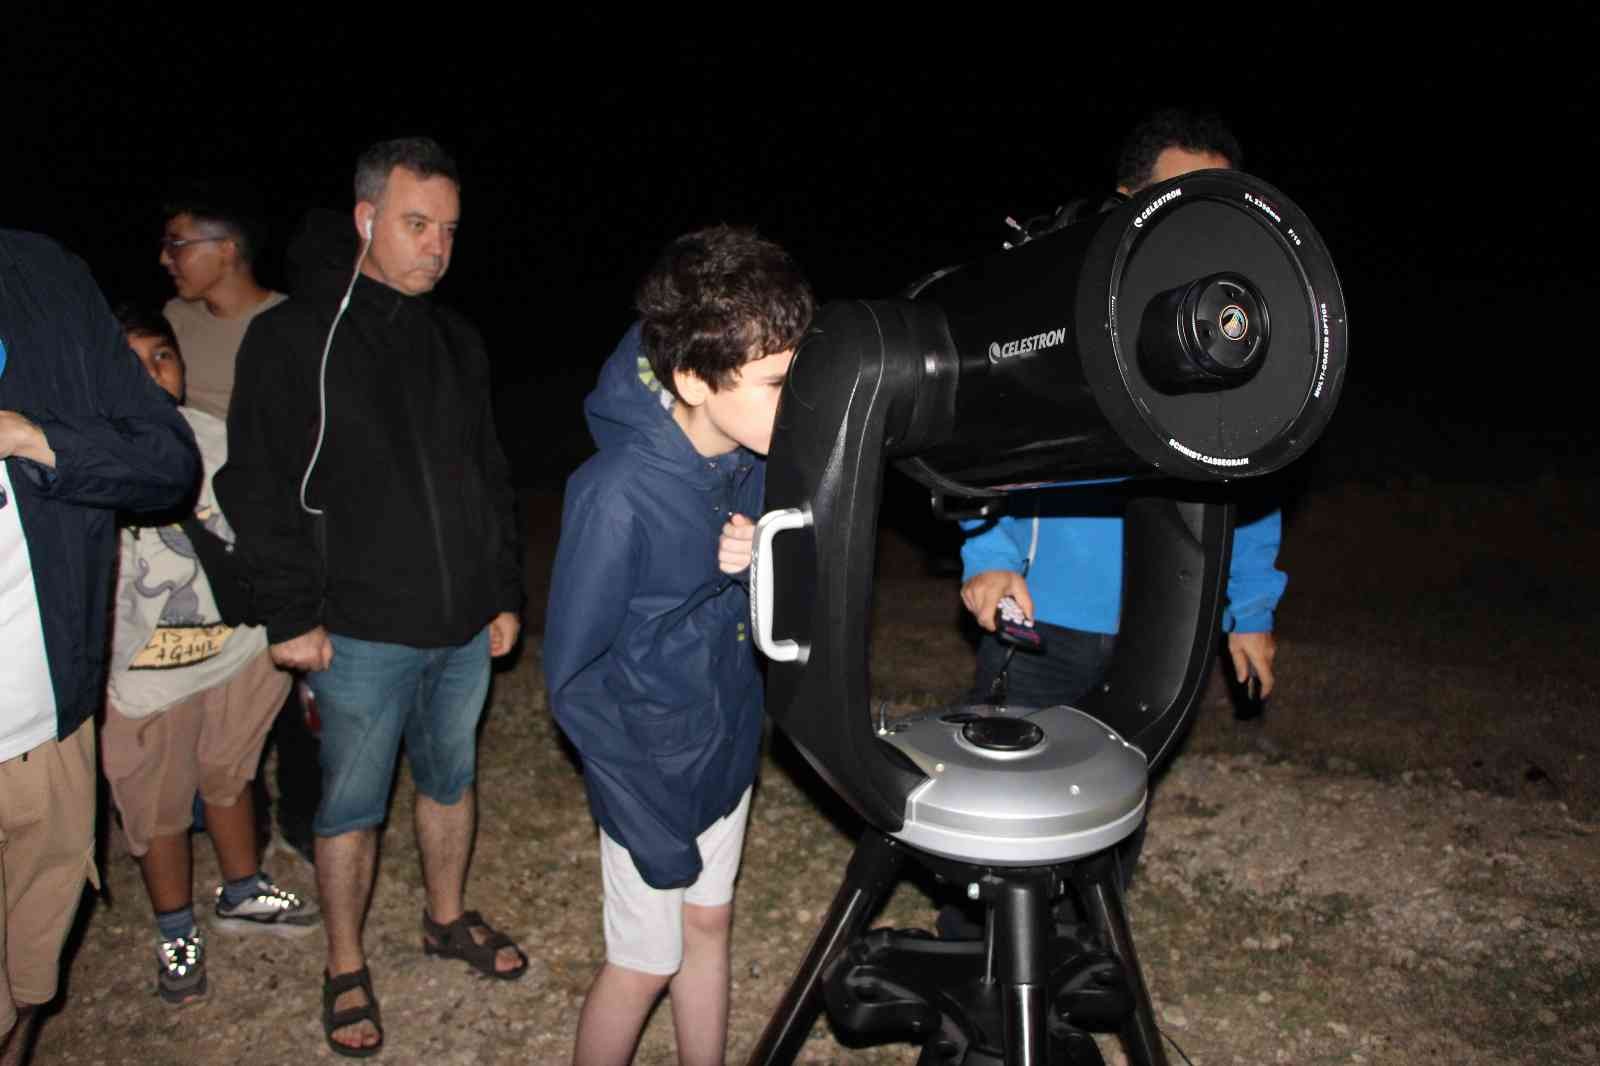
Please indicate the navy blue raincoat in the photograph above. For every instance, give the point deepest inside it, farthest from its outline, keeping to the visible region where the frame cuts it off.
(120, 444)
(647, 653)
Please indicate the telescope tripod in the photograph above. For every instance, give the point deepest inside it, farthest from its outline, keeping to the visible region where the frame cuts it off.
(1028, 994)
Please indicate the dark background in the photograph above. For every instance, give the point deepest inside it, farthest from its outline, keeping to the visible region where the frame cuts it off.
(1445, 164)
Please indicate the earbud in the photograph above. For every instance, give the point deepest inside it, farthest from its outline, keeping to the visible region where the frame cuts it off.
(369, 229)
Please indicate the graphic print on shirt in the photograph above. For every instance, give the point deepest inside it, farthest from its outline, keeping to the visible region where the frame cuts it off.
(189, 629)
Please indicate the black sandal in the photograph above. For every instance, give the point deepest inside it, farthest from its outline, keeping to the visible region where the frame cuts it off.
(332, 989)
(455, 941)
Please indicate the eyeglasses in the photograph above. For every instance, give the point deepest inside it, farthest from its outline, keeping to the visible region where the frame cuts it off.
(174, 244)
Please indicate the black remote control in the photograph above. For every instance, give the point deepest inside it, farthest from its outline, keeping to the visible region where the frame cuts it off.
(1248, 703)
(1015, 628)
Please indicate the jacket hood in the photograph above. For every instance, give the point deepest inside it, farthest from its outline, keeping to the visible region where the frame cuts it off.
(322, 252)
(630, 408)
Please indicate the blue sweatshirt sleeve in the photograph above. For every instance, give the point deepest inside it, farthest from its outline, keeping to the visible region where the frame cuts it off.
(1255, 584)
(992, 546)
(596, 570)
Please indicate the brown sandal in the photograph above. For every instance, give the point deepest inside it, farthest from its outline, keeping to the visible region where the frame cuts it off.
(334, 986)
(455, 941)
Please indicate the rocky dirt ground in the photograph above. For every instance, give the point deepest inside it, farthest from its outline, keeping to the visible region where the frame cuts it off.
(1398, 864)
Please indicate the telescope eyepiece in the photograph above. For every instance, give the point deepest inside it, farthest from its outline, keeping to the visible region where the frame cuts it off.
(1207, 335)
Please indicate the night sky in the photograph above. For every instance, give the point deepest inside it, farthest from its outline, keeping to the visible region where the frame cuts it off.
(1443, 164)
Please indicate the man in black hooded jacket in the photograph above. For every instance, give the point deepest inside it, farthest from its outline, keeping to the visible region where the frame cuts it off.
(376, 519)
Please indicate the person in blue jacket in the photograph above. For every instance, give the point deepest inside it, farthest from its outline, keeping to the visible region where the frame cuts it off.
(648, 659)
(1059, 554)
(84, 433)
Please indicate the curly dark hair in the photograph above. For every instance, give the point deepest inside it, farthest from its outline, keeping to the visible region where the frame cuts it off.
(137, 320)
(1172, 127)
(422, 156)
(717, 299)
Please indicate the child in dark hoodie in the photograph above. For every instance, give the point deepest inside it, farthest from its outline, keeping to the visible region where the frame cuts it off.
(650, 668)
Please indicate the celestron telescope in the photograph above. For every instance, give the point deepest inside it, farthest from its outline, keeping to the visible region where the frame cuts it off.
(1196, 334)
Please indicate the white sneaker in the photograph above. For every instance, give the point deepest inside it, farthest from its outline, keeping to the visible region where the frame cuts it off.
(270, 910)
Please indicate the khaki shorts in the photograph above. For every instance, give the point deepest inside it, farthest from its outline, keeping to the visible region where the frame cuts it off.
(46, 854)
(209, 743)
(644, 925)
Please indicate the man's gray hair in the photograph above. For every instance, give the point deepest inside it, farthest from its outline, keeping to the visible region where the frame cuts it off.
(421, 156)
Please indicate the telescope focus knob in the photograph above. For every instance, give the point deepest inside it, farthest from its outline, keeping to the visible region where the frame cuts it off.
(1208, 335)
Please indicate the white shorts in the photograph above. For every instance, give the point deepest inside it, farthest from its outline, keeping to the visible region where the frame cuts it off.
(644, 925)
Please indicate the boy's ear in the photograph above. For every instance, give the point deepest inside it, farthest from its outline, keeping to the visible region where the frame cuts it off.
(691, 388)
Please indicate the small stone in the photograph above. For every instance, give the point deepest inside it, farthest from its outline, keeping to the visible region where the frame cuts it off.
(1516, 923)
(1252, 943)
(1263, 998)
(1339, 1029)
(802, 916)
(1547, 1016)
(1176, 1018)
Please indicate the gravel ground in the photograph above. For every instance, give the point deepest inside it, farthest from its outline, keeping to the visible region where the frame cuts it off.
(1285, 913)
(1398, 865)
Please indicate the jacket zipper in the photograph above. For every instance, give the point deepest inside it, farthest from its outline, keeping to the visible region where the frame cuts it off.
(438, 530)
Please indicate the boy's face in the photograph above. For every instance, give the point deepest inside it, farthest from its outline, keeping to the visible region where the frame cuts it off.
(741, 412)
(160, 357)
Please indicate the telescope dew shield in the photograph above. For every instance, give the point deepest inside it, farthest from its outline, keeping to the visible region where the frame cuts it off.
(1197, 331)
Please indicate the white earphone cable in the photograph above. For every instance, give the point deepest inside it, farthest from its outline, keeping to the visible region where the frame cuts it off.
(322, 376)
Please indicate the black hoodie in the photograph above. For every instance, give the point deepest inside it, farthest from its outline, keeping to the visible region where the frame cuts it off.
(419, 542)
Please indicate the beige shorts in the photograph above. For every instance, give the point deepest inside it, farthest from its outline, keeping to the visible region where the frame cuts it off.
(644, 925)
(46, 854)
(209, 743)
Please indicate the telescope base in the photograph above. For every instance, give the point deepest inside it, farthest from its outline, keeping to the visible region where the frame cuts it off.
(1056, 964)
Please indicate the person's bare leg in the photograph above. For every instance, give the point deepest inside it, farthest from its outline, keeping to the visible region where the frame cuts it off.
(346, 865)
(15, 1043)
(699, 991)
(168, 876)
(614, 1012)
(444, 838)
(233, 834)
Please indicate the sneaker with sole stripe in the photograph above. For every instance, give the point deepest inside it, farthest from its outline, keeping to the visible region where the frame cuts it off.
(270, 910)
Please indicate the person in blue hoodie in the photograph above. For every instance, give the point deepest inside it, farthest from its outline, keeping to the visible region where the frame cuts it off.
(1059, 554)
(649, 664)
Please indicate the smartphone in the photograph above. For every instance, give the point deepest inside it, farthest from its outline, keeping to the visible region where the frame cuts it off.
(1248, 703)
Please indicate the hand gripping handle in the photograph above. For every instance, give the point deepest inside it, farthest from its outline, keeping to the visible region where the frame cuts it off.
(761, 608)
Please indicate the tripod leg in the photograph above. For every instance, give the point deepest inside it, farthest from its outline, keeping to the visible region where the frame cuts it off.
(1021, 931)
(873, 871)
(1100, 886)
